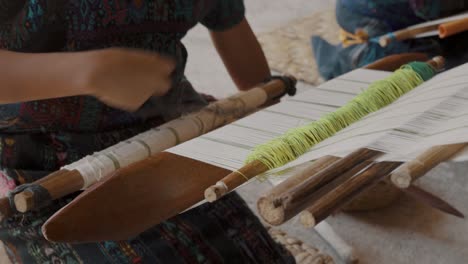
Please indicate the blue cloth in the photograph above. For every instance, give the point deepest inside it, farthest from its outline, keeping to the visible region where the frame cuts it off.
(377, 18)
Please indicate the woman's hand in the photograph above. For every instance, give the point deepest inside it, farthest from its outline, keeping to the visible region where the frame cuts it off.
(124, 78)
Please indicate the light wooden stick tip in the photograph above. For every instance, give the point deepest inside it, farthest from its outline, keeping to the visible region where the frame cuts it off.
(24, 201)
(307, 219)
(215, 192)
(400, 179)
(271, 212)
(439, 62)
(384, 41)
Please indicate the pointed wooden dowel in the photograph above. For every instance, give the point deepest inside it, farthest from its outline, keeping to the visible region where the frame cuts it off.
(418, 167)
(64, 182)
(433, 201)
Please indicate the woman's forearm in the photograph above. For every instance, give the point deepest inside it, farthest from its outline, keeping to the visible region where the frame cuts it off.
(27, 76)
(242, 55)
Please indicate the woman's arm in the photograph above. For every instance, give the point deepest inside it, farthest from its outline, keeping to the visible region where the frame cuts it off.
(26, 76)
(242, 55)
(118, 77)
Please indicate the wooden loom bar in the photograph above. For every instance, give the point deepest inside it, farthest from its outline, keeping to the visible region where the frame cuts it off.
(452, 28)
(405, 34)
(345, 192)
(64, 182)
(269, 205)
(418, 167)
(296, 199)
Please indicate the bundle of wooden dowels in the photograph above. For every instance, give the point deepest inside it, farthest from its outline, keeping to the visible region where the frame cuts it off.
(330, 183)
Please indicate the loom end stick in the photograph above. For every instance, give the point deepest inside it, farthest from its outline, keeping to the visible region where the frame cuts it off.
(24, 201)
(401, 179)
(215, 192)
(234, 180)
(271, 211)
(307, 219)
(384, 41)
(433, 201)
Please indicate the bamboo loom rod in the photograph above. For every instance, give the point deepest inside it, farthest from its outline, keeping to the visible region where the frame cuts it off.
(335, 198)
(345, 192)
(64, 182)
(268, 205)
(452, 28)
(290, 203)
(406, 174)
(275, 208)
(344, 250)
(404, 34)
(444, 30)
(255, 168)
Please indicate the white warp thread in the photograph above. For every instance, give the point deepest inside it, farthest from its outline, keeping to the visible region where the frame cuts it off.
(94, 167)
(435, 113)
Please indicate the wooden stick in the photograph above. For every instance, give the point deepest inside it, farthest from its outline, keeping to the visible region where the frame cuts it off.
(412, 170)
(65, 182)
(452, 28)
(394, 62)
(268, 204)
(234, 180)
(345, 192)
(433, 201)
(300, 177)
(405, 34)
(296, 199)
(58, 184)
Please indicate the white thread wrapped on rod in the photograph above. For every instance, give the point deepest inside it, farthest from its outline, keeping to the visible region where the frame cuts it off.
(94, 167)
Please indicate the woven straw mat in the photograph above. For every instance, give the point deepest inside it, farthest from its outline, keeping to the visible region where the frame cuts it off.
(288, 49)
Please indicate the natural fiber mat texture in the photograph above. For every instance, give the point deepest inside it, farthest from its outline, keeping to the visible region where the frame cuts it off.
(303, 253)
(288, 49)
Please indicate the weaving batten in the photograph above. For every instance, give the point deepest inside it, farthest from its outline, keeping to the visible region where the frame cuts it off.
(297, 141)
(91, 169)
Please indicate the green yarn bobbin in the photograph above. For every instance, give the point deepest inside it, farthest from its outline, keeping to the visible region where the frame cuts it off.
(298, 141)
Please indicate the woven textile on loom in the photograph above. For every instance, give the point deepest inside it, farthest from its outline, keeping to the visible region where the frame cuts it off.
(399, 129)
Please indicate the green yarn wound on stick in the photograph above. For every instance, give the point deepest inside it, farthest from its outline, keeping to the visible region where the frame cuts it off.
(298, 141)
